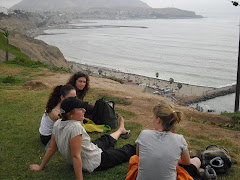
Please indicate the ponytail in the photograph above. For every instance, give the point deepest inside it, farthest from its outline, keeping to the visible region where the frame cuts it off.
(168, 117)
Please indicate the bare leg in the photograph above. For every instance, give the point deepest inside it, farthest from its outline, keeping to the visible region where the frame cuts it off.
(120, 130)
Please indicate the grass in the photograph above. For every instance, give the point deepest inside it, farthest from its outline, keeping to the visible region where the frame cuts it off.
(232, 126)
(115, 99)
(24, 60)
(20, 115)
(235, 115)
(11, 49)
(27, 62)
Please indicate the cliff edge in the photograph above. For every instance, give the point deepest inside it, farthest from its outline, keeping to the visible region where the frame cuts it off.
(23, 25)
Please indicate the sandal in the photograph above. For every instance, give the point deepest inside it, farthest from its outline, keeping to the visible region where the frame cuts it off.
(125, 135)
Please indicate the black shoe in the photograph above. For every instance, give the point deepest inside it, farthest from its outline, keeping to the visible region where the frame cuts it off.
(207, 174)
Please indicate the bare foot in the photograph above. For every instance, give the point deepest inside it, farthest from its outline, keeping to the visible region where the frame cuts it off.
(121, 130)
(121, 124)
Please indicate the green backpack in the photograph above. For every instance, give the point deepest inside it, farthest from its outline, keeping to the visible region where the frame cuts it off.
(217, 157)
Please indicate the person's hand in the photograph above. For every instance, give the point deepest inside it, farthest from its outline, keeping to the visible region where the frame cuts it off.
(35, 167)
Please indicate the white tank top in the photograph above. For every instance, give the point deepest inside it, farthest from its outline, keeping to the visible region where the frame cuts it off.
(46, 126)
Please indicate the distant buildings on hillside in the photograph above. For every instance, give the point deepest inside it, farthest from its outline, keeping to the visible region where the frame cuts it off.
(3, 10)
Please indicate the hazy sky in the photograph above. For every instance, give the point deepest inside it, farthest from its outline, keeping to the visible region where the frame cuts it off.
(199, 6)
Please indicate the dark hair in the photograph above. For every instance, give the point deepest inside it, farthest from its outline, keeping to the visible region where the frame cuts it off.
(68, 106)
(55, 96)
(72, 81)
(168, 117)
(65, 116)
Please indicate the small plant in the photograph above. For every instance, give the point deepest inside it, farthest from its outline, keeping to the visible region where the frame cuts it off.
(6, 34)
(55, 68)
(9, 79)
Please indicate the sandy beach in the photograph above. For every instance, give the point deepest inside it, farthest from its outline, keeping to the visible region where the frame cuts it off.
(187, 94)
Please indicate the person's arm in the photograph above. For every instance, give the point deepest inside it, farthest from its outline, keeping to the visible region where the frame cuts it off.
(137, 150)
(75, 145)
(185, 158)
(54, 115)
(49, 153)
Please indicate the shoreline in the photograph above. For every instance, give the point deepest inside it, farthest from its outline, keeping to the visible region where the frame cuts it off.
(187, 95)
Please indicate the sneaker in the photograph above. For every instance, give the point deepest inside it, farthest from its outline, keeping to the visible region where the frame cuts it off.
(207, 174)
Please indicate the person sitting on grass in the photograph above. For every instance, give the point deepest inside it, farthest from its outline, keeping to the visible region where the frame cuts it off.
(73, 142)
(161, 150)
(52, 111)
(80, 81)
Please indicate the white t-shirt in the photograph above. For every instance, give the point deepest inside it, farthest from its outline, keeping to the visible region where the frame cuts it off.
(159, 153)
(64, 131)
(46, 126)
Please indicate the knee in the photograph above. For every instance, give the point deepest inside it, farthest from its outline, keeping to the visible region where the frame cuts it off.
(196, 162)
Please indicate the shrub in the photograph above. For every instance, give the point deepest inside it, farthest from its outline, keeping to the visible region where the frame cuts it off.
(55, 68)
(235, 115)
(9, 79)
(27, 63)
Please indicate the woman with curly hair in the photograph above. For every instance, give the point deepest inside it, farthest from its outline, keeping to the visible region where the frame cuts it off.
(80, 81)
(52, 111)
(74, 143)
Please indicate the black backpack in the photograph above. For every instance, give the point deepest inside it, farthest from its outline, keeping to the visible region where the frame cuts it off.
(217, 157)
(104, 113)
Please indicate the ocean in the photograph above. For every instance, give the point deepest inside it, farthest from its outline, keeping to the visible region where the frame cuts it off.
(194, 51)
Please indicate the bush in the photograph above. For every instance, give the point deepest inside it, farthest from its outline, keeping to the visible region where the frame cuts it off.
(55, 68)
(27, 63)
(235, 116)
(35, 64)
(9, 79)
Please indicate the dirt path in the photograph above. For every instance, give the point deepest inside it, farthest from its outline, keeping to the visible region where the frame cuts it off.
(142, 104)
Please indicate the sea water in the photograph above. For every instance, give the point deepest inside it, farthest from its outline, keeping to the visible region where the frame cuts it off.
(194, 51)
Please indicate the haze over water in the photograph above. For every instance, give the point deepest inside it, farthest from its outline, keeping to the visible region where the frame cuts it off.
(194, 51)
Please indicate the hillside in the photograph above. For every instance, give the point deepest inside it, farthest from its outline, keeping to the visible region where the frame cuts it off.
(194, 123)
(21, 26)
(143, 102)
(24, 92)
(53, 5)
(101, 9)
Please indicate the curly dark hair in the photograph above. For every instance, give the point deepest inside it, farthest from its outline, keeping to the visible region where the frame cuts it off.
(55, 96)
(72, 81)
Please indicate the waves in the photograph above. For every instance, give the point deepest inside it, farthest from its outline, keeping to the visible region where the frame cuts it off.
(200, 52)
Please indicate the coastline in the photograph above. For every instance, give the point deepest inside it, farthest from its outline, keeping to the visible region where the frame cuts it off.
(187, 95)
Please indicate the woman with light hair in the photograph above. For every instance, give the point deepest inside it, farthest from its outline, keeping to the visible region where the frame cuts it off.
(161, 150)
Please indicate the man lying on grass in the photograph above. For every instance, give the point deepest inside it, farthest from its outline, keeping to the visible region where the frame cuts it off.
(75, 145)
